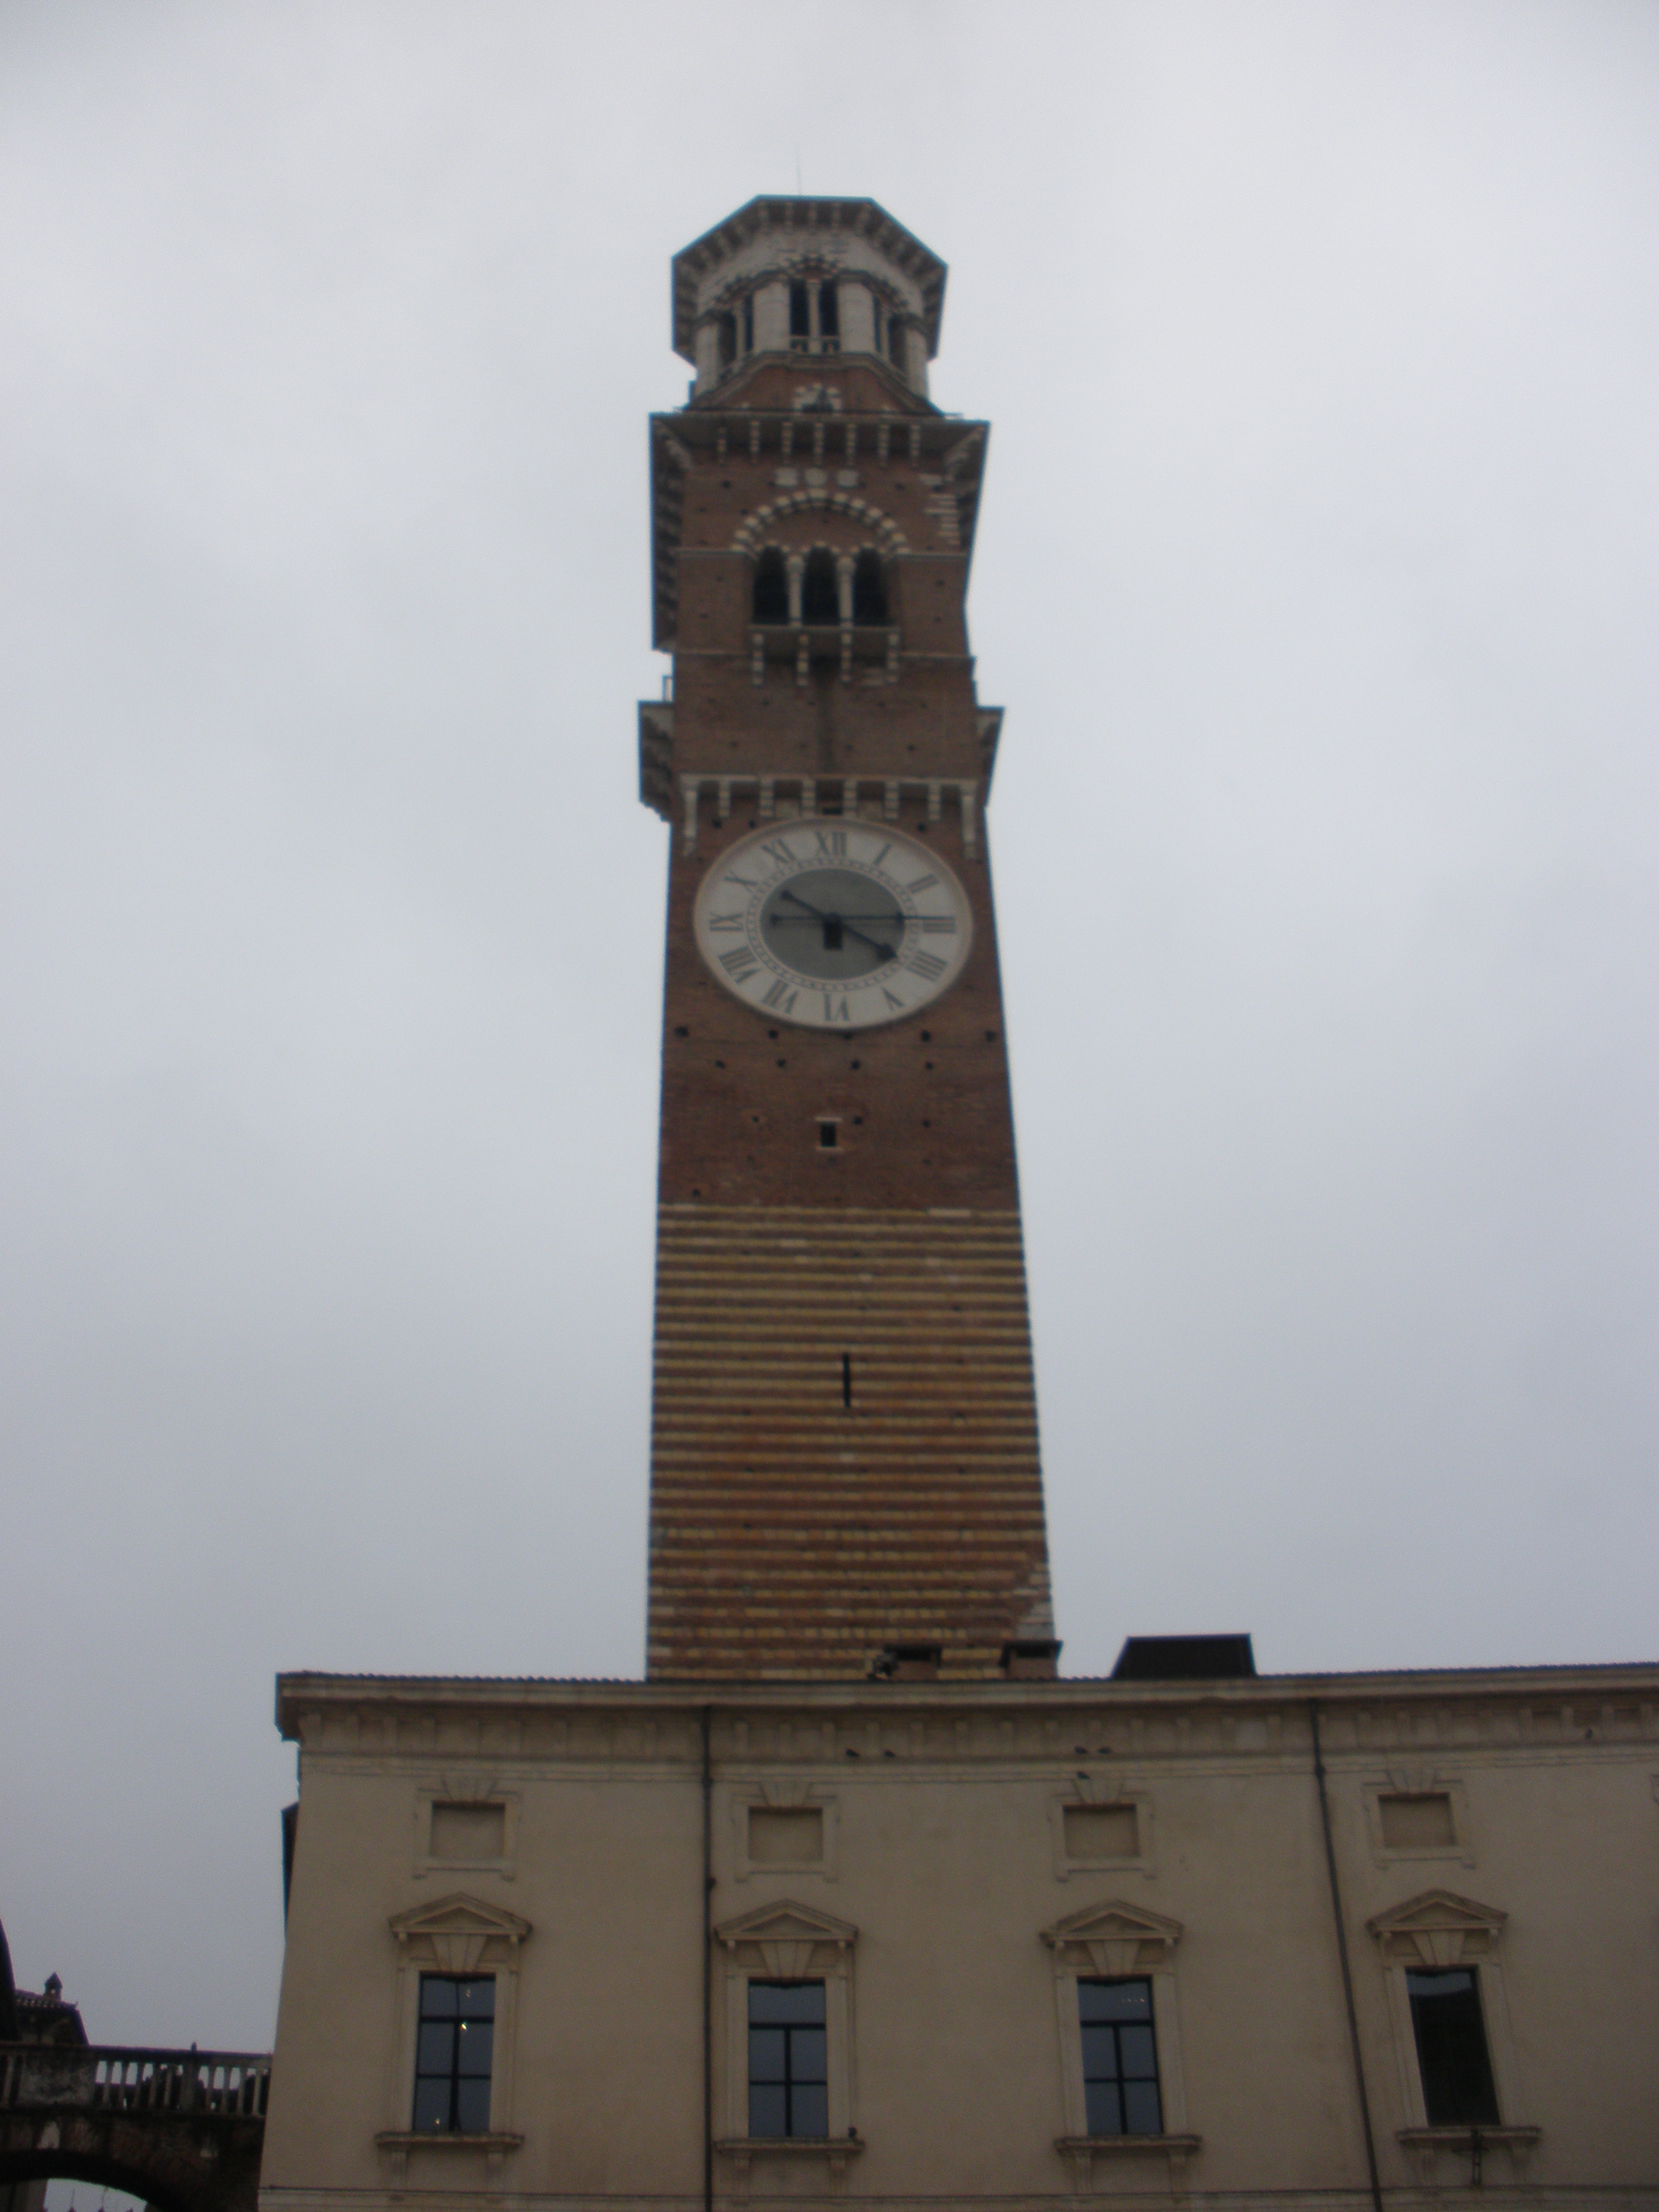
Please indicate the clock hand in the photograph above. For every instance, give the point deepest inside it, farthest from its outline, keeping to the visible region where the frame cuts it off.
(886, 952)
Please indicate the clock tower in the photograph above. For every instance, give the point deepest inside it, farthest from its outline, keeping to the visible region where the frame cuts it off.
(844, 1474)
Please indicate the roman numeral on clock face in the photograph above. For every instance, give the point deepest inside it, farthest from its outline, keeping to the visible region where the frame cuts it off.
(833, 841)
(926, 965)
(739, 963)
(939, 925)
(922, 884)
(732, 920)
(779, 853)
(780, 998)
(836, 1009)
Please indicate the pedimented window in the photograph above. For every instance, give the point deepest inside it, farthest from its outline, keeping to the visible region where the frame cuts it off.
(785, 2053)
(1437, 1929)
(1114, 1939)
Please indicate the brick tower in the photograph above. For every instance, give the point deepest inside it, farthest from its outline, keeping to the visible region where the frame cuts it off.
(844, 1446)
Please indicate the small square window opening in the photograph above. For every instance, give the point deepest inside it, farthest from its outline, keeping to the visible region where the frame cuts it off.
(1102, 1831)
(1419, 1821)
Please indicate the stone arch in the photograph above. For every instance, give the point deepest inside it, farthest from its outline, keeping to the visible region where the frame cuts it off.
(889, 538)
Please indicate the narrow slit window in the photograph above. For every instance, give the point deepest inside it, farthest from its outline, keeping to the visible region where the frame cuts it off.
(828, 1135)
(728, 334)
(820, 600)
(846, 1378)
(1451, 2049)
(771, 586)
(829, 316)
(800, 317)
(1119, 2058)
(895, 341)
(749, 324)
(869, 589)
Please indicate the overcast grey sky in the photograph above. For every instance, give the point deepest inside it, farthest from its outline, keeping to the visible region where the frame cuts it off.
(1316, 573)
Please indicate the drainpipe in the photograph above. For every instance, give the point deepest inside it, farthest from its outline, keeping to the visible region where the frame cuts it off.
(708, 1962)
(1342, 1954)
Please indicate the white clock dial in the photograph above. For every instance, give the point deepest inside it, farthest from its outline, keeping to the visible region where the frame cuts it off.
(834, 924)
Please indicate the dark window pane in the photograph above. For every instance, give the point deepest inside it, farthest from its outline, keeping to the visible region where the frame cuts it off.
(808, 2055)
(771, 586)
(810, 2114)
(829, 311)
(478, 1998)
(788, 2000)
(472, 2107)
(437, 1997)
(1143, 2114)
(1451, 2050)
(1105, 2114)
(1099, 2054)
(801, 313)
(1116, 2000)
(436, 2051)
(476, 2038)
(1136, 2057)
(869, 589)
(821, 594)
(431, 2107)
(766, 2054)
(766, 2111)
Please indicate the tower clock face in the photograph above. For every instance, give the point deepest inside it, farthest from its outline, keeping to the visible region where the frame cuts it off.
(834, 924)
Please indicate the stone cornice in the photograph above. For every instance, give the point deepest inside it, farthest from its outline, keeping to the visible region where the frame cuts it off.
(872, 1730)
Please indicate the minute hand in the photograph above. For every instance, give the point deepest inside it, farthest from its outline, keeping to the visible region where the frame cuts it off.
(887, 951)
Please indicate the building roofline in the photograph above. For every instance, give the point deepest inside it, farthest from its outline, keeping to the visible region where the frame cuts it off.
(297, 1692)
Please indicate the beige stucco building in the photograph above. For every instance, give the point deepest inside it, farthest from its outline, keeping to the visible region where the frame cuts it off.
(852, 1898)
(948, 1863)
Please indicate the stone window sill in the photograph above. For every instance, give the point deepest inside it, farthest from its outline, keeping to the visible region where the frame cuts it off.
(1469, 2139)
(395, 2139)
(834, 2150)
(1080, 2152)
(395, 2144)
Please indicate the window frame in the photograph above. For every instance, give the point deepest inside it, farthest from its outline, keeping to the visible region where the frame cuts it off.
(779, 1799)
(787, 1942)
(1115, 2027)
(1430, 1932)
(451, 2075)
(459, 1935)
(789, 2031)
(440, 1793)
(1116, 1941)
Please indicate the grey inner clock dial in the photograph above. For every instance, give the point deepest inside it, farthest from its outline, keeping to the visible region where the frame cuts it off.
(832, 924)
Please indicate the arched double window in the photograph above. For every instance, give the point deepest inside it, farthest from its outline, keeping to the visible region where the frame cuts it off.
(819, 573)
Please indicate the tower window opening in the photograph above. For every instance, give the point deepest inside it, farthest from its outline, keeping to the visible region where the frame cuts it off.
(846, 1378)
(771, 586)
(828, 1135)
(800, 317)
(895, 341)
(869, 588)
(728, 337)
(749, 324)
(820, 600)
(829, 317)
